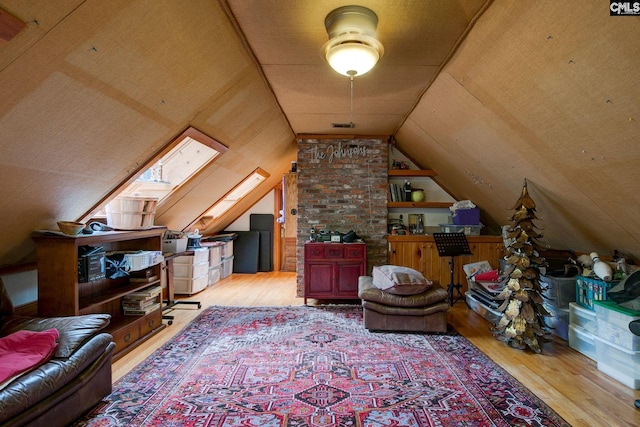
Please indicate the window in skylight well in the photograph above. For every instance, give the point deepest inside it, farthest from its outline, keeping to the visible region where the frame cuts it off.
(233, 197)
(169, 169)
(176, 167)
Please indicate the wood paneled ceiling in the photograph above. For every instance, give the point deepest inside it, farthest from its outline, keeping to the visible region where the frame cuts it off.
(487, 93)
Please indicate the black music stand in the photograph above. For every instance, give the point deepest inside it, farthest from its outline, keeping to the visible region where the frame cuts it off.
(452, 245)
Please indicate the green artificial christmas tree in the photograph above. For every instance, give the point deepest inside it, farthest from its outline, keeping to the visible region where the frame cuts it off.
(522, 323)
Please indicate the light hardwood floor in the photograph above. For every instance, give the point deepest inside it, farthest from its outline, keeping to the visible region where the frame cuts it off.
(565, 379)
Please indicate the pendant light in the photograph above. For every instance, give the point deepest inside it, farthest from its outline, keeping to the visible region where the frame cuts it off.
(352, 49)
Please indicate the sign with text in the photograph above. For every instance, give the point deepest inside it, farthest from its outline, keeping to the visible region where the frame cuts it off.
(338, 151)
(624, 8)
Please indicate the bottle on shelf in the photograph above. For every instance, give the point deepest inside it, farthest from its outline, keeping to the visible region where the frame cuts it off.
(407, 191)
(420, 226)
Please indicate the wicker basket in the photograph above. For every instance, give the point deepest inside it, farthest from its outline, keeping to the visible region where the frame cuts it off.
(71, 228)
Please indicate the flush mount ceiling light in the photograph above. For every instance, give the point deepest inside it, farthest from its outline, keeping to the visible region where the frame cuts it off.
(352, 49)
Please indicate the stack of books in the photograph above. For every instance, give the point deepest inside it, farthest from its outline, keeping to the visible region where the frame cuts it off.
(142, 302)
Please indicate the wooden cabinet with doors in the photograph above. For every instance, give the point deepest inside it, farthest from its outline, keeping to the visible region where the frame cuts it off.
(62, 293)
(420, 253)
(331, 270)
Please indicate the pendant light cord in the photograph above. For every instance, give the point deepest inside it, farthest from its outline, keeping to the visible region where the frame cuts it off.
(351, 101)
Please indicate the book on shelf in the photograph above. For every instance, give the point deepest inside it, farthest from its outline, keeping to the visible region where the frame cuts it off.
(139, 300)
(142, 311)
(143, 279)
(395, 193)
(135, 304)
(146, 292)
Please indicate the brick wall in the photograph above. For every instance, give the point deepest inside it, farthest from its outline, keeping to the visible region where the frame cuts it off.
(342, 186)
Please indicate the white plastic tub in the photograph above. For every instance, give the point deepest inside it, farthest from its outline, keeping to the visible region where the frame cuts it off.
(619, 363)
(582, 341)
(583, 317)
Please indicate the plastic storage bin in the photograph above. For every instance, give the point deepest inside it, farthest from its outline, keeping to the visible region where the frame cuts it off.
(589, 290)
(190, 286)
(613, 324)
(200, 255)
(215, 254)
(174, 246)
(583, 341)
(560, 291)
(558, 323)
(215, 274)
(619, 363)
(466, 216)
(469, 230)
(190, 270)
(583, 317)
(227, 249)
(488, 313)
(227, 267)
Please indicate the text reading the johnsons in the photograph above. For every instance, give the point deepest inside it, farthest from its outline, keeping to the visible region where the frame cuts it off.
(338, 151)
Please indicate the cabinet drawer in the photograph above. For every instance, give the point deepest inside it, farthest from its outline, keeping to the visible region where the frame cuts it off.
(126, 336)
(150, 322)
(314, 252)
(354, 251)
(333, 251)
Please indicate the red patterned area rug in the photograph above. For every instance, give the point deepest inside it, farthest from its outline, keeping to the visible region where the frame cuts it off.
(315, 366)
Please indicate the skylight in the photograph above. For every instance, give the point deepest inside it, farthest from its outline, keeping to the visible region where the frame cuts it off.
(233, 196)
(172, 170)
(178, 162)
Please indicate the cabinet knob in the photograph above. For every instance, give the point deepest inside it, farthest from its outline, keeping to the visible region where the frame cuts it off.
(127, 338)
(151, 323)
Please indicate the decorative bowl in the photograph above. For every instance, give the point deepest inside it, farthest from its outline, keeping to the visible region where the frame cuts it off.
(71, 228)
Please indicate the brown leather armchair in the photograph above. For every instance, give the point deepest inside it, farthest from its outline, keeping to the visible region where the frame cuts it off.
(383, 311)
(69, 384)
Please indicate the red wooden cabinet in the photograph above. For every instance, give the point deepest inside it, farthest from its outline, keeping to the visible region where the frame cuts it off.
(331, 270)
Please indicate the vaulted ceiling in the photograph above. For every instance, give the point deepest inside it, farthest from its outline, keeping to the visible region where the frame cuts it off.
(486, 93)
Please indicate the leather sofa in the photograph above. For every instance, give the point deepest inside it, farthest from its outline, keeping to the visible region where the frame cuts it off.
(70, 383)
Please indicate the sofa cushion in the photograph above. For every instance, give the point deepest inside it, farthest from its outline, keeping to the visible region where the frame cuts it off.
(367, 292)
(43, 389)
(399, 280)
(74, 330)
(24, 350)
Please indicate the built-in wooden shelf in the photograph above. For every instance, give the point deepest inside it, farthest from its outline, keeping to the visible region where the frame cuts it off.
(423, 205)
(411, 172)
(100, 298)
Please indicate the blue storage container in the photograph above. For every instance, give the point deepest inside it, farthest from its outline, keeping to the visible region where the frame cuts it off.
(466, 216)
